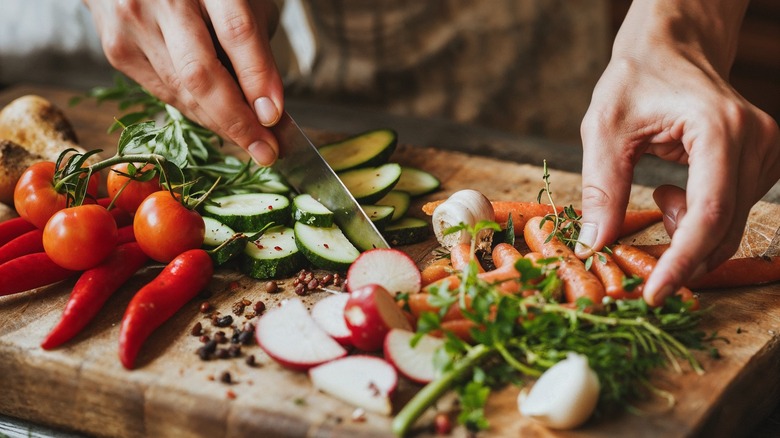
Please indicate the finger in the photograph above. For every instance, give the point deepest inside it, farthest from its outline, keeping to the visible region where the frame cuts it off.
(212, 87)
(711, 200)
(244, 35)
(671, 201)
(607, 172)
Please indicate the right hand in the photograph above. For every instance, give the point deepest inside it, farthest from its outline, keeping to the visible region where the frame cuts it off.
(168, 49)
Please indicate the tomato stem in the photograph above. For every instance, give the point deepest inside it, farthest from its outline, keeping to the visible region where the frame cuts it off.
(116, 159)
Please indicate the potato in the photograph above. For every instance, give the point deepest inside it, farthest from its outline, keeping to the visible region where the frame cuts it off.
(14, 159)
(7, 212)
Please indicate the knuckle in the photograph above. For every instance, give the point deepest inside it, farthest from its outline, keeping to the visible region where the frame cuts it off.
(193, 75)
(239, 28)
(235, 128)
(116, 49)
(129, 10)
(595, 197)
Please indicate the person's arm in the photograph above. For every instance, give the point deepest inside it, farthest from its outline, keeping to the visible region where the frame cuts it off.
(167, 47)
(666, 92)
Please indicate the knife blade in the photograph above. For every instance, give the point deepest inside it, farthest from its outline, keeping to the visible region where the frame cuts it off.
(307, 172)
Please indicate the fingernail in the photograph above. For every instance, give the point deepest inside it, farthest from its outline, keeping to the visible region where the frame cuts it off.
(266, 111)
(262, 153)
(586, 239)
(659, 296)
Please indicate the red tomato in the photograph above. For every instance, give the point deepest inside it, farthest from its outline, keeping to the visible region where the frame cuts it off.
(136, 191)
(164, 228)
(79, 238)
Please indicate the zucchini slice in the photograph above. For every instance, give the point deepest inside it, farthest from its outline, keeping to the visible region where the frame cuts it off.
(417, 182)
(250, 211)
(380, 215)
(369, 184)
(406, 231)
(216, 235)
(326, 248)
(310, 211)
(399, 200)
(273, 255)
(370, 148)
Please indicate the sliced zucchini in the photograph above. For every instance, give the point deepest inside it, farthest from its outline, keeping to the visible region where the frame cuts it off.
(325, 248)
(399, 200)
(380, 215)
(310, 211)
(417, 182)
(273, 255)
(217, 234)
(370, 148)
(406, 231)
(250, 211)
(369, 184)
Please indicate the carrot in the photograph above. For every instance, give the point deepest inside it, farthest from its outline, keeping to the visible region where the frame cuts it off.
(611, 276)
(460, 256)
(28, 243)
(635, 220)
(634, 261)
(418, 303)
(654, 250)
(461, 328)
(437, 270)
(577, 281)
(13, 228)
(30, 271)
(505, 254)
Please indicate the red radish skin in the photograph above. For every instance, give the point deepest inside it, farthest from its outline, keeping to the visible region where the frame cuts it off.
(291, 337)
(370, 313)
(92, 290)
(366, 382)
(414, 363)
(13, 228)
(328, 313)
(30, 271)
(179, 282)
(393, 269)
(27, 243)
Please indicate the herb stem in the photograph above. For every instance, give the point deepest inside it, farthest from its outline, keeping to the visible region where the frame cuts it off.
(516, 364)
(108, 162)
(432, 391)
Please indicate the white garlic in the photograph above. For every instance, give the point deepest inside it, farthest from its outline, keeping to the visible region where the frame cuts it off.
(468, 207)
(564, 396)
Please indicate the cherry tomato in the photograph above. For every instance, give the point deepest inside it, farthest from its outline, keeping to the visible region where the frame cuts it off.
(136, 191)
(79, 238)
(35, 198)
(164, 228)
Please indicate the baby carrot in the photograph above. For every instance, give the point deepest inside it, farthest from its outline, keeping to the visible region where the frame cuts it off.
(460, 256)
(611, 276)
(461, 328)
(437, 270)
(419, 303)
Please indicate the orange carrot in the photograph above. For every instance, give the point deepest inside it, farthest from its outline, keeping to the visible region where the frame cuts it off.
(654, 250)
(611, 276)
(460, 256)
(505, 254)
(634, 261)
(577, 281)
(437, 270)
(418, 303)
(461, 328)
(503, 277)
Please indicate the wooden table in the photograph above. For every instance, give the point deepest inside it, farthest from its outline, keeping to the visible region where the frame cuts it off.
(82, 386)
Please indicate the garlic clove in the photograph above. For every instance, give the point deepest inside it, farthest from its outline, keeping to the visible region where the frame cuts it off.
(465, 206)
(565, 396)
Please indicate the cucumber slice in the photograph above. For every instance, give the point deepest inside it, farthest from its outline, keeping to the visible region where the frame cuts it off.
(326, 248)
(310, 211)
(216, 235)
(399, 200)
(273, 255)
(417, 182)
(370, 148)
(216, 232)
(250, 211)
(406, 231)
(370, 184)
(380, 215)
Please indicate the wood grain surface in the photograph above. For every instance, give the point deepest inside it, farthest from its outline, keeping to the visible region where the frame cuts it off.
(82, 386)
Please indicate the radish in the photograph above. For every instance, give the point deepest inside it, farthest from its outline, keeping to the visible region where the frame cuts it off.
(370, 313)
(364, 381)
(328, 313)
(414, 363)
(289, 335)
(389, 268)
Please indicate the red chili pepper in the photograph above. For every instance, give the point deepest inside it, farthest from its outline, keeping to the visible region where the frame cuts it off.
(28, 243)
(121, 216)
(180, 281)
(92, 290)
(30, 271)
(125, 234)
(13, 228)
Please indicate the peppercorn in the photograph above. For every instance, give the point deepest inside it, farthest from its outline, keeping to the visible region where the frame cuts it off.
(271, 287)
(223, 321)
(197, 329)
(225, 377)
(205, 307)
(259, 307)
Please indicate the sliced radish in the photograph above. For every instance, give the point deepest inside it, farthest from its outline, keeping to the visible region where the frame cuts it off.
(328, 313)
(370, 313)
(291, 337)
(390, 268)
(364, 381)
(414, 363)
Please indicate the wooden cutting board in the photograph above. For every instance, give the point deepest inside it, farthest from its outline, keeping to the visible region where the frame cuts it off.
(82, 386)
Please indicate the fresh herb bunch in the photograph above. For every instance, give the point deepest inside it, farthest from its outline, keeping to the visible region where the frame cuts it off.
(185, 145)
(521, 337)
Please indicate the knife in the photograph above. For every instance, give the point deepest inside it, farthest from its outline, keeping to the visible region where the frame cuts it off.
(307, 172)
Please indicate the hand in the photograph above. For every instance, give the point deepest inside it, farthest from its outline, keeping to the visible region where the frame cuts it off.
(171, 49)
(665, 93)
